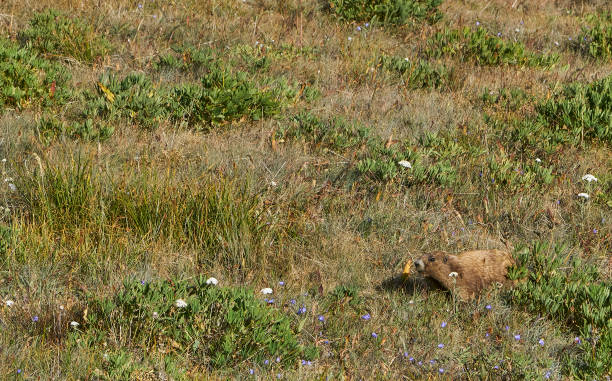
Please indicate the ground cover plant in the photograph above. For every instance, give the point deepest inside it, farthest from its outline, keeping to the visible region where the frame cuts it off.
(231, 190)
(29, 80)
(485, 48)
(57, 34)
(393, 12)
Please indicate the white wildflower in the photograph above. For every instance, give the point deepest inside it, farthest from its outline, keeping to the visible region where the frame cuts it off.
(180, 303)
(538, 160)
(588, 177)
(584, 195)
(212, 281)
(74, 324)
(405, 163)
(411, 301)
(155, 315)
(453, 275)
(9, 303)
(12, 187)
(407, 59)
(266, 290)
(273, 183)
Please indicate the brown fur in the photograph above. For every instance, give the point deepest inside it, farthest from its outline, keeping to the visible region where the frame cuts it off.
(476, 270)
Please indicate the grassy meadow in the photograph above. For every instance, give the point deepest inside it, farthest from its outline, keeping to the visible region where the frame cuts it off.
(164, 162)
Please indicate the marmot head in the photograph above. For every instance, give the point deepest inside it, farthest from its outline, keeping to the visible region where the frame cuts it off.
(435, 263)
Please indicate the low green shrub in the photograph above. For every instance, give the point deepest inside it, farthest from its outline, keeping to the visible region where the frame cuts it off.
(394, 12)
(511, 176)
(595, 39)
(223, 97)
(218, 327)
(336, 134)
(485, 49)
(51, 128)
(134, 98)
(186, 59)
(560, 285)
(583, 111)
(419, 75)
(27, 79)
(220, 98)
(57, 34)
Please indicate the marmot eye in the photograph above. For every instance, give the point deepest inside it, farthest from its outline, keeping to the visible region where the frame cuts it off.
(432, 259)
(445, 259)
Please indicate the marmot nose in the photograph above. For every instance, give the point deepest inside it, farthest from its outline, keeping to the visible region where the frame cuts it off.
(419, 265)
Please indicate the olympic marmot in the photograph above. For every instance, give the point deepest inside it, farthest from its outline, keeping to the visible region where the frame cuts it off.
(475, 270)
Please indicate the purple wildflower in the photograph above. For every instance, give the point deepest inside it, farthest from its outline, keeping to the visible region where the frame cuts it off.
(366, 317)
(321, 318)
(440, 345)
(443, 324)
(441, 370)
(541, 342)
(374, 335)
(488, 306)
(517, 337)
